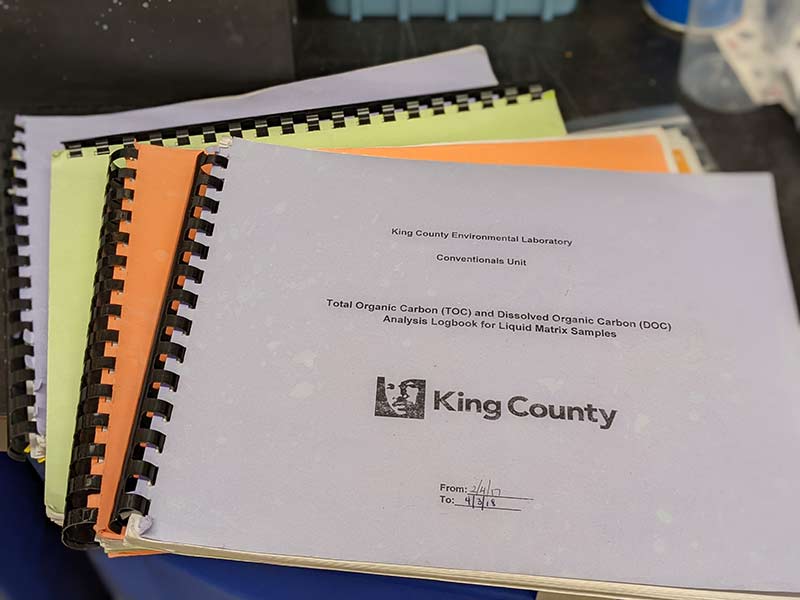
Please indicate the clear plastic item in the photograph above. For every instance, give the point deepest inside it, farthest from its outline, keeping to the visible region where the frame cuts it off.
(740, 54)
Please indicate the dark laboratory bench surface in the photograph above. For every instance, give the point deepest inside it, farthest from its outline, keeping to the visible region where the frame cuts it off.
(605, 57)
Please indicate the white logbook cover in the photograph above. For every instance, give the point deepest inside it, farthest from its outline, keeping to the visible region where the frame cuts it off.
(42, 135)
(506, 370)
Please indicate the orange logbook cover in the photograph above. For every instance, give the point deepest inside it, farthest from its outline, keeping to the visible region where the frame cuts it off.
(159, 183)
(146, 201)
(643, 152)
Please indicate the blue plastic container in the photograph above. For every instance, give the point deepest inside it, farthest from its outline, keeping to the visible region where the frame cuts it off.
(451, 10)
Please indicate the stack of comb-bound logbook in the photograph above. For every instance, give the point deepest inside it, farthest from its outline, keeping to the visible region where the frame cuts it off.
(397, 321)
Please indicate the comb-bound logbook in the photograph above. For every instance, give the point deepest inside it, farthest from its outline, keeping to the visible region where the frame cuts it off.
(78, 177)
(555, 379)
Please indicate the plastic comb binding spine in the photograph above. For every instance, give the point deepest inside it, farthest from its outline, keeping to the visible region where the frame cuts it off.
(97, 380)
(23, 433)
(287, 123)
(5, 178)
(146, 441)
